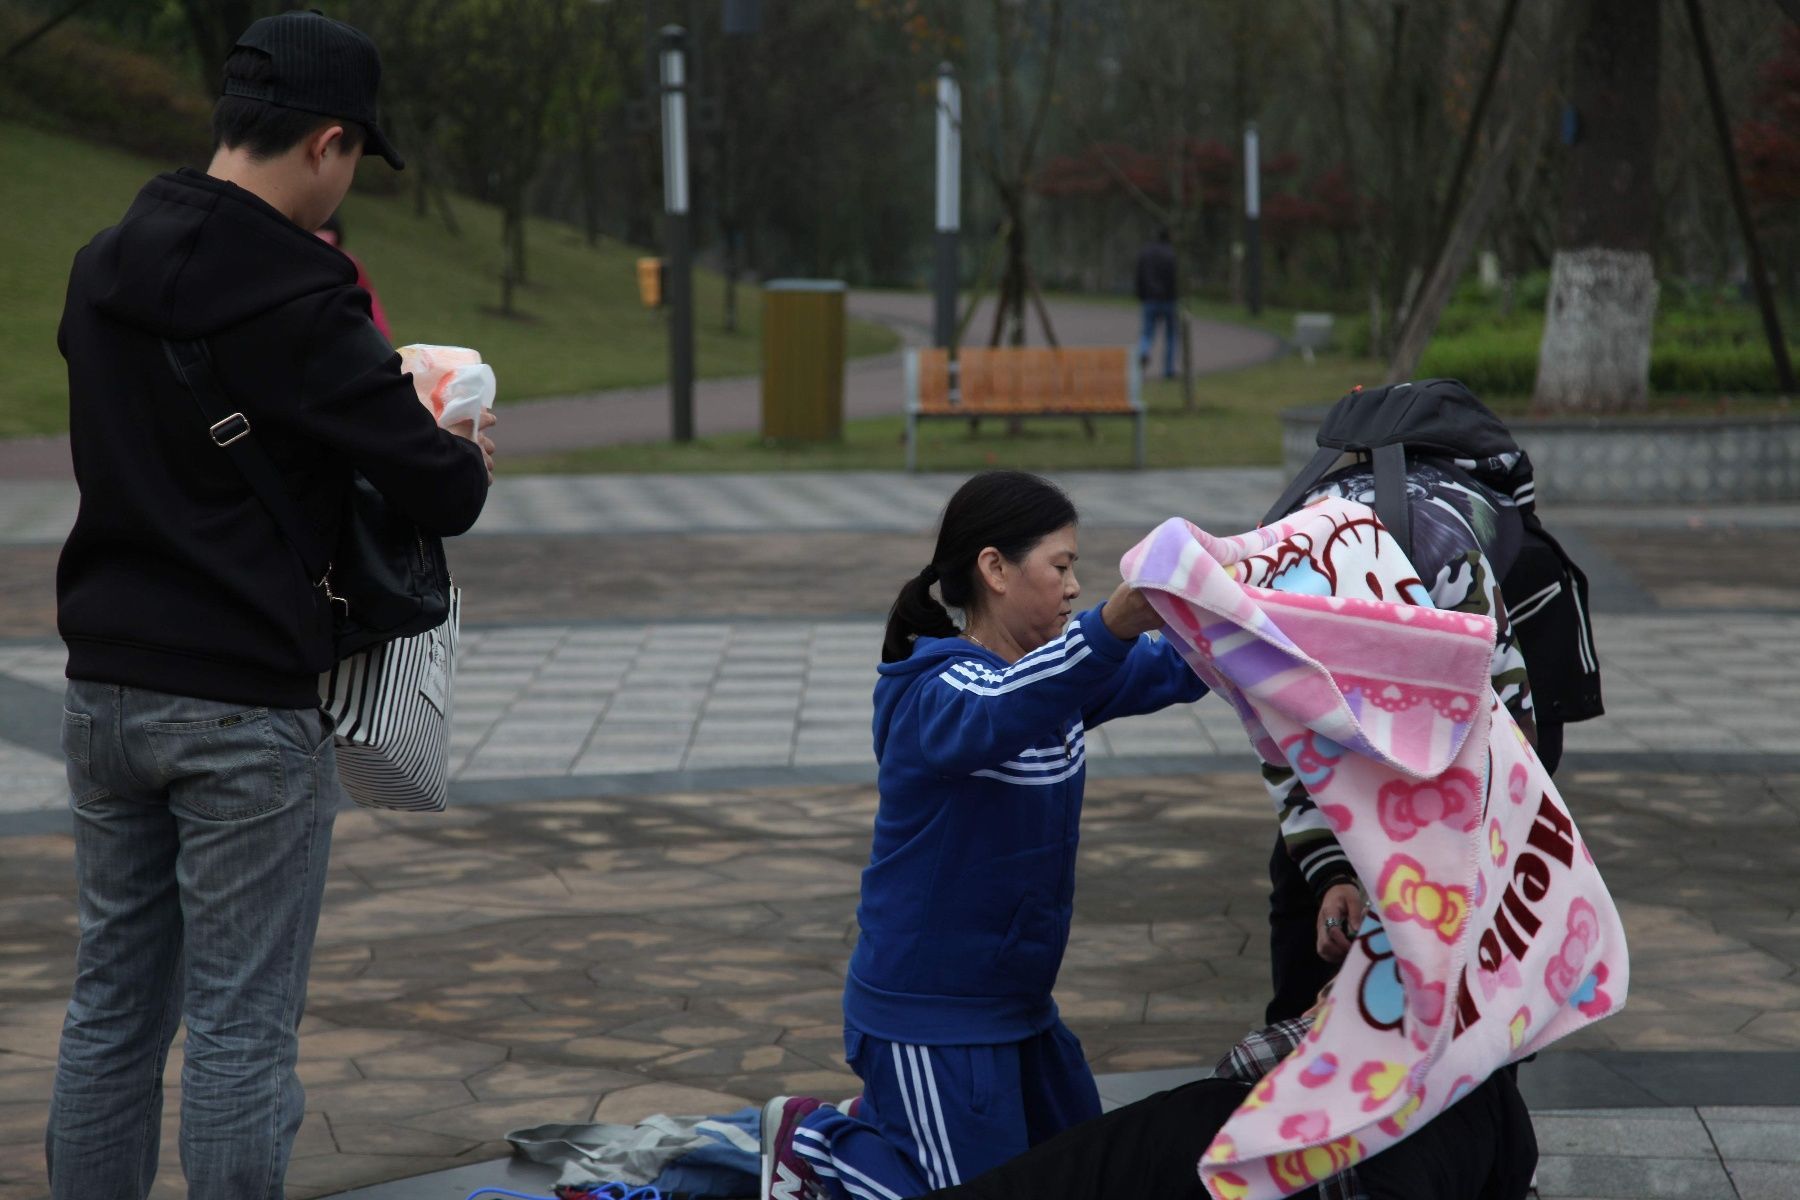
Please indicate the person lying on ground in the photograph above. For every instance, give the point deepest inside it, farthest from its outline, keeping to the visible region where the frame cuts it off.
(1481, 1148)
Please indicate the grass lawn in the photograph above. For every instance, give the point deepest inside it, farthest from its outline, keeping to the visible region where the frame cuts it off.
(1233, 425)
(581, 326)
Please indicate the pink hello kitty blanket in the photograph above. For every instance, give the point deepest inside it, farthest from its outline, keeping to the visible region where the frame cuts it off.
(1490, 933)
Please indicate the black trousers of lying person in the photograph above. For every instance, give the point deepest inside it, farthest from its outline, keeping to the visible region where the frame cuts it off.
(1480, 1148)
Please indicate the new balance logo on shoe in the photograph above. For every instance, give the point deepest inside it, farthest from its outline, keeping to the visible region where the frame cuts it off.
(785, 1174)
(787, 1185)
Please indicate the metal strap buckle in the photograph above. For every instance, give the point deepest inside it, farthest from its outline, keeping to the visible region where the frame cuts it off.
(234, 428)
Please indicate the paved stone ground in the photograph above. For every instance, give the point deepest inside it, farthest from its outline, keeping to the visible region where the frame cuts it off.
(643, 897)
(510, 964)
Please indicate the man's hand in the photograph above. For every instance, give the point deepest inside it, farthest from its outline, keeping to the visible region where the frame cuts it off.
(1128, 613)
(466, 429)
(1340, 916)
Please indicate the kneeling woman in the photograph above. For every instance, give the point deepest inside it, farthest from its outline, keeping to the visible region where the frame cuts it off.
(980, 737)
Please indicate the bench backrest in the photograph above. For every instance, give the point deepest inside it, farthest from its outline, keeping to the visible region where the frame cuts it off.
(1026, 379)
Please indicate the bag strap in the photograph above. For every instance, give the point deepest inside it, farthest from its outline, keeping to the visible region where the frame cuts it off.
(1390, 493)
(230, 431)
(1304, 482)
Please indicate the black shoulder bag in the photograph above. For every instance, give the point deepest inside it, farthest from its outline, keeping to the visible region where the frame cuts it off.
(385, 579)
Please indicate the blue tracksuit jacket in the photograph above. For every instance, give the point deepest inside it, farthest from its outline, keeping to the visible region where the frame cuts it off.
(970, 885)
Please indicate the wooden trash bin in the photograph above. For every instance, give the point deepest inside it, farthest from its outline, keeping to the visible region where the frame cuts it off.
(803, 360)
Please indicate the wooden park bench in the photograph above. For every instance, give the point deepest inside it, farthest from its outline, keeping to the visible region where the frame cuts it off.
(1022, 381)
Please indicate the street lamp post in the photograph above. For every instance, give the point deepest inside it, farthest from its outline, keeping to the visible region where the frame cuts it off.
(949, 205)
(1253, 219)
(677, 233)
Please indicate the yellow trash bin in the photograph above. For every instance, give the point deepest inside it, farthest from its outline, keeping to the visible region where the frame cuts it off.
(803, 360)
(650, 281)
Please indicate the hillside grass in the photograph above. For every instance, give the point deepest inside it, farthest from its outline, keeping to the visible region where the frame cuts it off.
(580, 326)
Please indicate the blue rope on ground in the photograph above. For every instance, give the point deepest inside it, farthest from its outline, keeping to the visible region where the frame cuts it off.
(597, 1191)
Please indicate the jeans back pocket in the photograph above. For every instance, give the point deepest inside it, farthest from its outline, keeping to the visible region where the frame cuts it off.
(77, 738)
(78, 757)
(227, 768)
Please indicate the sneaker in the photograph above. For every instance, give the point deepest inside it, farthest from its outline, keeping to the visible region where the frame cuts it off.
(851, 1107)
(785, 1174)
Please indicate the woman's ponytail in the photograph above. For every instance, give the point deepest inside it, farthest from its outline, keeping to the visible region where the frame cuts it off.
(916, 614)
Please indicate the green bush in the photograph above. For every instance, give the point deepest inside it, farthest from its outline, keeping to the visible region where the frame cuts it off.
(1703, 345)
(74, 81)
(1495, 361)
(1715, 369)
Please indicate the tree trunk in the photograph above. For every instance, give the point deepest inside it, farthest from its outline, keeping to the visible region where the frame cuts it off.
(1596, 351)
(215, 26)
(733, 266)
(508, 265)
(1595, 355)
(516, 236)
(1452, 260)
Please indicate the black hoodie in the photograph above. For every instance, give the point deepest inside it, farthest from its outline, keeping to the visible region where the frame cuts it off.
(175, 577)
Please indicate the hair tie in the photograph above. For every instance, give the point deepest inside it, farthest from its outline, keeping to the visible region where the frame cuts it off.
(930, 573)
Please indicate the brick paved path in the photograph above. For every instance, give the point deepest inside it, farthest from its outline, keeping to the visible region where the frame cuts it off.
(643, 897)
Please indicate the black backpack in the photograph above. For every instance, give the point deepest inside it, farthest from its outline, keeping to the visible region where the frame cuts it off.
(1546, 594)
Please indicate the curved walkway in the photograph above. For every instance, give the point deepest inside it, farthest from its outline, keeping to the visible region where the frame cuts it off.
(872, 386)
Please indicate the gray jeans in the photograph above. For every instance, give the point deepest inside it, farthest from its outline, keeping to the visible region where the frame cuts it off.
(202, 834)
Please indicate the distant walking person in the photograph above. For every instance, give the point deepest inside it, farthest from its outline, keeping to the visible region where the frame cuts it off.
(1157, 292)
(201, 770)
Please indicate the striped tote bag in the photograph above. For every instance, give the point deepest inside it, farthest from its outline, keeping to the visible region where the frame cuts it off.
(392, 707)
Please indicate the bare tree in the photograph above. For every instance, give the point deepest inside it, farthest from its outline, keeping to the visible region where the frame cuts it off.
(1026, 38)
(504, 84)
(1595, 355)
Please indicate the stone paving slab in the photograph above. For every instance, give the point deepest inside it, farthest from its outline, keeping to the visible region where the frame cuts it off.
(42, 511)
(610, 957)
(573, 701)
(791, 501)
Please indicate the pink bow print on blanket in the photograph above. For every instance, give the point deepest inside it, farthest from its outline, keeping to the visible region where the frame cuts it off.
(1490, 933)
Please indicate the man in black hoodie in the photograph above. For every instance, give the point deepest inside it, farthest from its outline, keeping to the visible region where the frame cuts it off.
(201, 770)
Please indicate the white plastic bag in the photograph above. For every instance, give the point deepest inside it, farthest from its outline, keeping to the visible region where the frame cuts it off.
(452, 381)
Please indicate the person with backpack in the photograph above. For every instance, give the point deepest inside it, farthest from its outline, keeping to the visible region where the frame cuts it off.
(980, 736)
(1447, 479)
(201, 769)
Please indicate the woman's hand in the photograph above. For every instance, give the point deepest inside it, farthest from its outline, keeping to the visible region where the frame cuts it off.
(1127, 613)
(1340, 915)
(466, 429)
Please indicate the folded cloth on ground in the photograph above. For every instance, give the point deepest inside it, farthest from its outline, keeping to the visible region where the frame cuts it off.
(1490, 933)
(696, 1156)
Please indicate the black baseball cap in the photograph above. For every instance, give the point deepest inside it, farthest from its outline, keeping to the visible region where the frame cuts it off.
(318, 65)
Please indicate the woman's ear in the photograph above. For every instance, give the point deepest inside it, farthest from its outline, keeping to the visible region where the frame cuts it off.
(991, 567)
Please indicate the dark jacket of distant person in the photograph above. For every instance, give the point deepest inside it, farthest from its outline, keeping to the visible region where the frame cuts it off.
(1156, 273)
